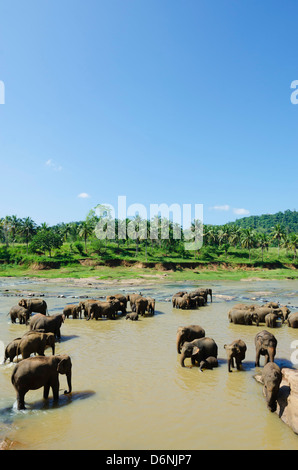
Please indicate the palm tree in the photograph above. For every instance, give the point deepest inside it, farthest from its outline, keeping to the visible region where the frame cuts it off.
(248, 239)
(85, 230)
(293, 243)
(27, 229)
(263, 243)
(278, 233)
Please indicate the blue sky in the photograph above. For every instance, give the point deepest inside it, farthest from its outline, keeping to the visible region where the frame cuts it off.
(168, 101)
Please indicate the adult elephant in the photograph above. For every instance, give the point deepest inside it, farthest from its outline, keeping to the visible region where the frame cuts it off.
(34, 305)
(293, 320)
(35, 342)
(48, 324)
(72, 310)
(132, 300)
(122, 299)
(261, 312)
(271, 379)
(182, 302)
(203, 292)
(271, 320)
(40, 371)
(151, 306)
(188, 333)
(102, 309)
(20, 313)
(265, 343)
(198, 350)
(83, 304)
(236, 350)
(242, 317)
(141, 305)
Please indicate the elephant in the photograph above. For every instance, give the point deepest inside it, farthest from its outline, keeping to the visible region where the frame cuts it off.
(293, 320)
(49, 324)
(141, 305)
(122, 299)
(102, 309)
(182, 302)
(11, 350)
(188, 333)
(179, 295)
(35, 342)
(204, 293)
(132, 316)
(132, 300)
(265, 343)
(242, 317)
(34, 305)
(209, 363)
(84, 304)
(270, 320)
(271, 379)
(20, 313)
(271, 305)
(198, 350)
(236, 350)
(261, 312)
(285, 312)
(197, 301)
(151, 306)
(40, 371)
(72, 310)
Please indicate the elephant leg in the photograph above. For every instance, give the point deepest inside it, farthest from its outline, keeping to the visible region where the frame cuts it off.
(55, 388)
(21, 400)
(257, 363)
(46, 390)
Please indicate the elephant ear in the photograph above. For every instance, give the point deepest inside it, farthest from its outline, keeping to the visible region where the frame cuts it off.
(64, 365)
(195, 350)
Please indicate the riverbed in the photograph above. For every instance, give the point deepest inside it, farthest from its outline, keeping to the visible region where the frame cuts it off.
(129, 389)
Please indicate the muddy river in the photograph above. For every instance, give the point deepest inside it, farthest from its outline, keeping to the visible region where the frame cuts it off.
(129, 390)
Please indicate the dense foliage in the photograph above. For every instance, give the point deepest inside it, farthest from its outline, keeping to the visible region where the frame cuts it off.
(247, 236)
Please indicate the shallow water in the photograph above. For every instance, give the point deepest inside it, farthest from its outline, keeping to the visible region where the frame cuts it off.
(129, 390)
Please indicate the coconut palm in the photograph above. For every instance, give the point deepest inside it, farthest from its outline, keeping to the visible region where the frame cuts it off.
(85, 231)
(277, 234)
(263, 243)
(248, 239)
(27, 229)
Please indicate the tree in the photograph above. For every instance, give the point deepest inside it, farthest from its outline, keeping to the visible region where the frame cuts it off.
(46, 240)
(263, 243)
(278, 233)
(248, 239)
(27, 229)
(293, 243)
(85, 231)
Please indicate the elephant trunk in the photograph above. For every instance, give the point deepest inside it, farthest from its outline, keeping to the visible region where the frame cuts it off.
(68, 376)
(179, 343)
(183, 356)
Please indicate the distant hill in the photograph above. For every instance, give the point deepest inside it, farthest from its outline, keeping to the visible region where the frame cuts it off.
(265, 222)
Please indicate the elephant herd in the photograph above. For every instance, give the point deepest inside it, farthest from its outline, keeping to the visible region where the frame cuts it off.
(191, 300)
(37, 371)
(191, 342)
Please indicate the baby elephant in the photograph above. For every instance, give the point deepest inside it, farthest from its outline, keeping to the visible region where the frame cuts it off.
(236, 350)
(271, 378)
(132, 316)
(209, 363)
(11, 350)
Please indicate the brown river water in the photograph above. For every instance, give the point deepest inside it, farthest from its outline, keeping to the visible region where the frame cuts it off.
(129, 390)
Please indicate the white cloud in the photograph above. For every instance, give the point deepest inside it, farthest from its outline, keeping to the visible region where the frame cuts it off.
(51, 164)
(221, 208)
(83, 195)
(241, 211)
